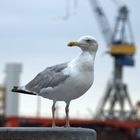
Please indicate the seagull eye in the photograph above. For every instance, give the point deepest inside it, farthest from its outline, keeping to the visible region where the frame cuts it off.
(88, 40)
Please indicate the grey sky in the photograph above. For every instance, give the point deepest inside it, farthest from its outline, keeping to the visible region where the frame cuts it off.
(32, 33)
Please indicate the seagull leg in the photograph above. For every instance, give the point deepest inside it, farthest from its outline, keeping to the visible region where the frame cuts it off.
(53, 114)
(67, 114)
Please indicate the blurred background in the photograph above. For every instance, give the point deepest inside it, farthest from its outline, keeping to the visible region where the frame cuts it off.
(33, 36)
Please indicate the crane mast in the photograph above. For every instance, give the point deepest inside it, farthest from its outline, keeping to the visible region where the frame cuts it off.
(122, 49)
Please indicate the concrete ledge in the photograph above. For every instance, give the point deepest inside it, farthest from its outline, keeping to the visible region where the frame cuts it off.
(43, 133)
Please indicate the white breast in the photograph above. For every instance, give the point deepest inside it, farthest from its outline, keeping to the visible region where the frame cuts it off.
(80, 71)
(81, 76)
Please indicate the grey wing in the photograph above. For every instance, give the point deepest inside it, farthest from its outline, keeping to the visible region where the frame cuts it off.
(50, 77)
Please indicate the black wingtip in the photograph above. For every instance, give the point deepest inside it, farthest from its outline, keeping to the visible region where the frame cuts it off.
(15, 89)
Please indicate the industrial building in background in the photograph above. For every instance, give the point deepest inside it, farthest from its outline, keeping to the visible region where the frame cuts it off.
(8, 101)
(13, 71)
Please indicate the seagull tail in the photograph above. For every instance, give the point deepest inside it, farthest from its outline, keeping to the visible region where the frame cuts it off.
(18, 90)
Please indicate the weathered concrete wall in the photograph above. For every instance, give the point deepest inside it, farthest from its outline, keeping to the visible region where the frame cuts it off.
(58, 133)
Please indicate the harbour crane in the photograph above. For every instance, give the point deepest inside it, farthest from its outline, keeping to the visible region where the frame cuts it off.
(121, 47)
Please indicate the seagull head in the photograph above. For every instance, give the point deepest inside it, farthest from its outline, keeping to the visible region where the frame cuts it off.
(86, 43)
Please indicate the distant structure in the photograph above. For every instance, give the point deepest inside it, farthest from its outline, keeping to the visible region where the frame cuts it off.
(137, 110)
(13, 71)
(121, 47)
(2, 100)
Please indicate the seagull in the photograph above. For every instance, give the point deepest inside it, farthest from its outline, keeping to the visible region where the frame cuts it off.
(66, 81)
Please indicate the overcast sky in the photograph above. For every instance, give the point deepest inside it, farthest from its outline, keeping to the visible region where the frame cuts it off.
(33, 33)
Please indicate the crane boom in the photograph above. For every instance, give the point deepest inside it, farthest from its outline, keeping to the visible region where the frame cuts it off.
(102, 20)
(122, 49)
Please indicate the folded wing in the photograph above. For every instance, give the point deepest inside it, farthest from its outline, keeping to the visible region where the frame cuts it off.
(50, 77)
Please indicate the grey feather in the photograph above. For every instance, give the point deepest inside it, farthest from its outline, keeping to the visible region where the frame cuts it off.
(50, 77)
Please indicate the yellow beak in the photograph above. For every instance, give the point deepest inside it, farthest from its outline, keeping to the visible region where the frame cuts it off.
(72, 44)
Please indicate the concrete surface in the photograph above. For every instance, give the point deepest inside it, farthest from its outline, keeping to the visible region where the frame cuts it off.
(43, 133)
